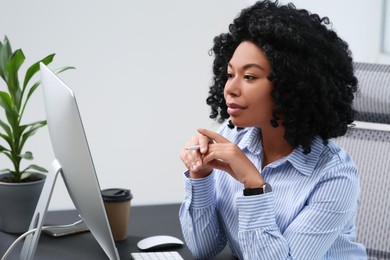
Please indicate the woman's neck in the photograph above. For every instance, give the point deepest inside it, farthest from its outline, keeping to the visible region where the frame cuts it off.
(275, 146)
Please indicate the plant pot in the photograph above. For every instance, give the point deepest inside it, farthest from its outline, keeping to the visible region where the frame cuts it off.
(17, 203)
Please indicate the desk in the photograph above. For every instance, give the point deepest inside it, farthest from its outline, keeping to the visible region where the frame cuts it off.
(144, 221)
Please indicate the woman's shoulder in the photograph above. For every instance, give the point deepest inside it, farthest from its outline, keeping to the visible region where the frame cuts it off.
(338, 152)
(337, 160)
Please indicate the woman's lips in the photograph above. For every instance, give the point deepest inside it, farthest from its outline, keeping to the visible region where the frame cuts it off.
(234, 109)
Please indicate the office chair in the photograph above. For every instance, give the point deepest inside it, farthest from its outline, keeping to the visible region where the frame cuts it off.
(368, 142)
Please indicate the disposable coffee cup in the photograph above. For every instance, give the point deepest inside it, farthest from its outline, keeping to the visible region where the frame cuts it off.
(117, 203)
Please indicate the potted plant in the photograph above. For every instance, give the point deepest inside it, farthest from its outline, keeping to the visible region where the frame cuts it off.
(20, 186)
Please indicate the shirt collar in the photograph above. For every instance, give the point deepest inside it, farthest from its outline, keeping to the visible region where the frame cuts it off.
(305, 163)
(250, 139)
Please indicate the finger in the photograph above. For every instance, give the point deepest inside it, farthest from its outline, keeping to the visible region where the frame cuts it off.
(213, 135)
(204, 143)
(221, 165)
(184, 158)
(191, 158)
(220, 151)
(210, 157)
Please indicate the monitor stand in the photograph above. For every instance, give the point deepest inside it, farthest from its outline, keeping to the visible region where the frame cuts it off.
(31, 241)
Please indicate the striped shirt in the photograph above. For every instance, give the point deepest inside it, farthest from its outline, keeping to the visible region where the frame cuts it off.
(310, 213)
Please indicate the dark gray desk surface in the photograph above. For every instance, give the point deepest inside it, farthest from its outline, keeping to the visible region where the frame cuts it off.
(144, 221)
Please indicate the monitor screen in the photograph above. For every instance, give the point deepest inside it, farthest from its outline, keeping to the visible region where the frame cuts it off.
(71, 150)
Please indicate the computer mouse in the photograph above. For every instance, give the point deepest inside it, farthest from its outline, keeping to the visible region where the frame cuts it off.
(159, 242)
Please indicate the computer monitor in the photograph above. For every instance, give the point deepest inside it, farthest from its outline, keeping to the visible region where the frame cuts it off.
(74, 161)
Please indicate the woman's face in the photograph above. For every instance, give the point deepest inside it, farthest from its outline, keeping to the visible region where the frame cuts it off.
(248, 91)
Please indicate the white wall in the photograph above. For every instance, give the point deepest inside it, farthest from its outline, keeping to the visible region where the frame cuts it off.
(358, 22)
(143, 72)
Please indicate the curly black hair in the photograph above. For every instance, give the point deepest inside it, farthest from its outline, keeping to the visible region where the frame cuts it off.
(311, 70)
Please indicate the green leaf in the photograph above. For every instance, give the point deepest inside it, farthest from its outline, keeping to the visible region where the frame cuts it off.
(7, 138)
(5, 54)
(10, 112)
(5, 101)
(2, 149)
(15, 62)
(6, 128)
(60, 70)
(27, 156)
(20, 129)
(36, 85)
(35, 167)
(1, 65)
(25, 175)
(36, 124)
(35, 68)
(32, 130)
(30, 92)
(12, 117)
(13, 67)
(10, 157)
(8, 154)
(5, 171)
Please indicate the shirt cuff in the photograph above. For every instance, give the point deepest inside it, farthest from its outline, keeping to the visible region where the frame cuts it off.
(256, 211)
(199, 192)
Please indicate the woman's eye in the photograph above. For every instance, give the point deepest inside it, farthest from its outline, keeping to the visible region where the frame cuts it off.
(230, 75)
(250, 77)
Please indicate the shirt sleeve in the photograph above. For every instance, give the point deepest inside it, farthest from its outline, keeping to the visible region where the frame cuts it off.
(202, 230)
(311, 234)
(259, 235)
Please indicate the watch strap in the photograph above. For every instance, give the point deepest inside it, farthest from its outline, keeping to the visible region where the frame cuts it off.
(254, 191)
(257, 191)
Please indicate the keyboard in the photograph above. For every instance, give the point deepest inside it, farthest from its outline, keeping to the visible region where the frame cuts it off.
(171, 255)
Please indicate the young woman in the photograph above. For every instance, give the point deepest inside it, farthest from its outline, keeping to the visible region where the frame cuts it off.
(271, 183)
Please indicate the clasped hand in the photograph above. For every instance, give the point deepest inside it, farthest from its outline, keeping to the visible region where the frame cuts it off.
(218, 152)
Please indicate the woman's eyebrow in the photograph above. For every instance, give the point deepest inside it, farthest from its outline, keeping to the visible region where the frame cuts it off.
(249, 65)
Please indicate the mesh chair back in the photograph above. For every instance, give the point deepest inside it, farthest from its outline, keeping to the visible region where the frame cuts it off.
(372, 101)
(370, 150)
(369, 145)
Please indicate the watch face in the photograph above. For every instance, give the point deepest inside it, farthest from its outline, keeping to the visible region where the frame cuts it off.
(267, 188)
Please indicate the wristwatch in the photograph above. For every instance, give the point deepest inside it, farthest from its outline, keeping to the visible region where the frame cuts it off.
(257, 191)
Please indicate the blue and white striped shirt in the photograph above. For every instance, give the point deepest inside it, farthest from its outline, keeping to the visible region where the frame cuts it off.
(310, 213)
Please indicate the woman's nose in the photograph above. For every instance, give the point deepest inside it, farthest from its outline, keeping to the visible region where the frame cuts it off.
(232, 87)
